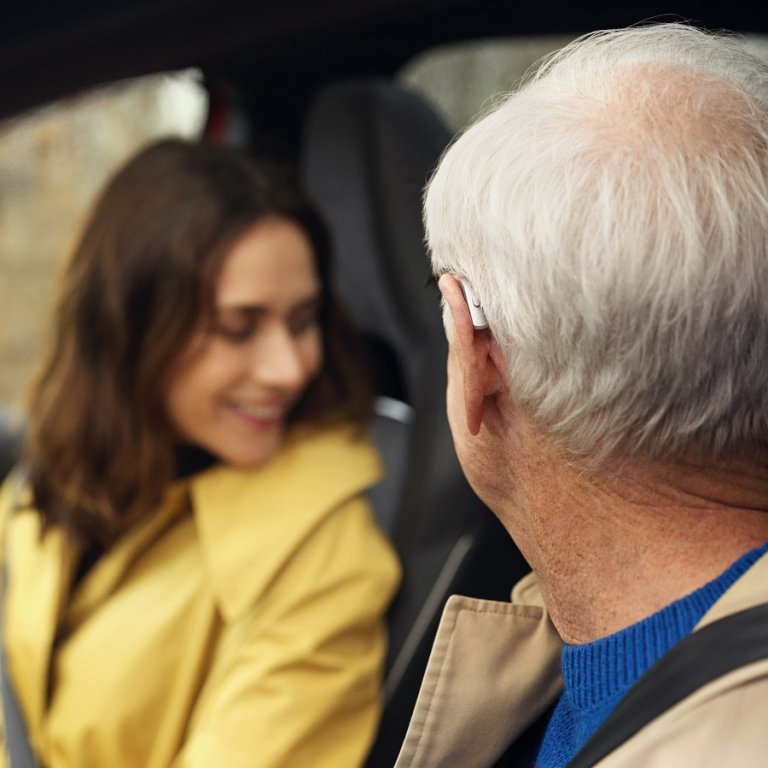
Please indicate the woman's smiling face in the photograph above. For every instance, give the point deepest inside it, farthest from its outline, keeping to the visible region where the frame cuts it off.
(237, 380)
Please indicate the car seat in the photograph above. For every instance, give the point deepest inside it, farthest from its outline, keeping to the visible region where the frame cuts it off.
(368, 148)
(10, 440)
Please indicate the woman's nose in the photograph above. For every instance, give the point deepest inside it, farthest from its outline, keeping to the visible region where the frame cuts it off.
(276, 360)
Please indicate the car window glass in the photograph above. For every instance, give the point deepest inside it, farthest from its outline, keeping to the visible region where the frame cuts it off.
(52, 162)
(462, 79)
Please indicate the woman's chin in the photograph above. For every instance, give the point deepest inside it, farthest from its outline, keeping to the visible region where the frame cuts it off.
(254, 454)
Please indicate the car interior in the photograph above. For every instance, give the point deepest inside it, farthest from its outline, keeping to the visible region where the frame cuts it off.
(314, 83)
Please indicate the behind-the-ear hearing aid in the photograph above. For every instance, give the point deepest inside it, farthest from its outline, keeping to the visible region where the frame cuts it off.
(479, 320)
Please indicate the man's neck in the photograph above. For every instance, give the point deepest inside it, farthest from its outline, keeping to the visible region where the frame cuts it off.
(611, 548)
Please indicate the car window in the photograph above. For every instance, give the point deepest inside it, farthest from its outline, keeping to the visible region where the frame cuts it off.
(52, 162)
(462, 79)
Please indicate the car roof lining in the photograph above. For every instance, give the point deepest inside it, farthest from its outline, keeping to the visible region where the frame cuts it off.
(49, 50)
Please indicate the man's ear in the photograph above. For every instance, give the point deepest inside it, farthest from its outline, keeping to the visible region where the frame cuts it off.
(472, 349)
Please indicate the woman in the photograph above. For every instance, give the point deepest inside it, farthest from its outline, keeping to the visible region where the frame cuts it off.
(195, 578)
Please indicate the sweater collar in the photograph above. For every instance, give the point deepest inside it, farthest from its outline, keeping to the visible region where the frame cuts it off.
(596, 672)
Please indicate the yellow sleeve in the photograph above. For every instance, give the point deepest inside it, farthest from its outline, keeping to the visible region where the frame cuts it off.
(296, 680)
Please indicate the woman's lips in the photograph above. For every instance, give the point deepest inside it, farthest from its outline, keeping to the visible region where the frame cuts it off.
(259, 415)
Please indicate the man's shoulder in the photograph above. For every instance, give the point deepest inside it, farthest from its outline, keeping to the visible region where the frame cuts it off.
(748, 591)
(697, 705)
(717, 725)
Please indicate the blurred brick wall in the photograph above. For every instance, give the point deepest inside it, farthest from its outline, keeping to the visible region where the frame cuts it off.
(52, 162)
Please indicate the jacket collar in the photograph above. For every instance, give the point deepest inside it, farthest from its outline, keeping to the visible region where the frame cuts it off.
(250, 521)
(493, 670)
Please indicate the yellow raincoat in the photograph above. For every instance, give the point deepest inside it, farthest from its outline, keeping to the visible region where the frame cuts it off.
(240, 625)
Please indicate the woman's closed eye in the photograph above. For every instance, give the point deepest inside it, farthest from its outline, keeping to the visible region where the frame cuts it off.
(237, 326)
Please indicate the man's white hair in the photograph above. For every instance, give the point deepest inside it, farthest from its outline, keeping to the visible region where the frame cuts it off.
(612, 215)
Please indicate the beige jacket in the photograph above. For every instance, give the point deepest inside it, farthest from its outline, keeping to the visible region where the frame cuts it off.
(494, 669)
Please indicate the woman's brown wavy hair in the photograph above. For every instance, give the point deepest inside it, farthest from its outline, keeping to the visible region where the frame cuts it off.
(100, 449)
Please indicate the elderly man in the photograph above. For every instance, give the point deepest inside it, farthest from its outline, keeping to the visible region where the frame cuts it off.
(611, 219)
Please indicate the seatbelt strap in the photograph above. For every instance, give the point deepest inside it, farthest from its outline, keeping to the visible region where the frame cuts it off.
(711, 652)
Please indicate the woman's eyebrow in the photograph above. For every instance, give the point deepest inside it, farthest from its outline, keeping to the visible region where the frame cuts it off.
(255, 310)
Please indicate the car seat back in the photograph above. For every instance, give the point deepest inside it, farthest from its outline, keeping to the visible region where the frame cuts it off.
(369, 147)
(10, 440)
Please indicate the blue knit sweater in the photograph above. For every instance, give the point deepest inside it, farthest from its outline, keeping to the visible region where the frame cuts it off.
(597, 675)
